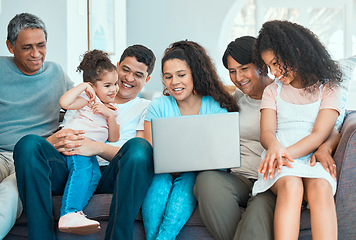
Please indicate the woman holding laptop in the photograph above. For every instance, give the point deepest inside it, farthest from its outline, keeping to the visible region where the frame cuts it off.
(191, 87)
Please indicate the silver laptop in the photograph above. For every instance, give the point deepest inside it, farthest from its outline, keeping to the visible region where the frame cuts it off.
(196, 142)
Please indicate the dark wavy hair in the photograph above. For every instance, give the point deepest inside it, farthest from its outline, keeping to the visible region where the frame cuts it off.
(206, 81)
(299, 50)
(94, 65)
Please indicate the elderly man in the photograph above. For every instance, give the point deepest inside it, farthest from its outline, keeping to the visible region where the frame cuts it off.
(29, 94)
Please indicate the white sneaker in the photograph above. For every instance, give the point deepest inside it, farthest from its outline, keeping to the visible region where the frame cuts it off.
(76, 222)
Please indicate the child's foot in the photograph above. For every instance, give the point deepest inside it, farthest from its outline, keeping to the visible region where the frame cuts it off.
(77, 223)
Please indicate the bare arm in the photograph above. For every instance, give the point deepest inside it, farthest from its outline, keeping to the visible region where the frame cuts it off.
(276, 155)
(268, 127)
(148, 132)
(90, 148)
(325, 151)
(114, 130)
(71, 100)
(140, 134)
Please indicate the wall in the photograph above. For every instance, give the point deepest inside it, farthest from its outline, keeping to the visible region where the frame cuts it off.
(77, 34)
(66, 23)
(158, 25)
(155, 24)
(52, 12)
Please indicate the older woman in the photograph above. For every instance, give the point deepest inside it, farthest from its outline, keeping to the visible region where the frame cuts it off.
(221, 194)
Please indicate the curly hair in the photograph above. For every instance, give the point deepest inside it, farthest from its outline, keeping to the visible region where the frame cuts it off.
(299, 50)
(206, 81)
(94, 65)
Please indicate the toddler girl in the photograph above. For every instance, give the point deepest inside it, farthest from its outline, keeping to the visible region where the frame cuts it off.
(91, 100)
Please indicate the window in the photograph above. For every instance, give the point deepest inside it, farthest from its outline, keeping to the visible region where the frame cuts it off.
(330, 20)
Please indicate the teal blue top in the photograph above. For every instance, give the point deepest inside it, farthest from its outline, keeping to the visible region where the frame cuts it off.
(29, 103)
(166, 106)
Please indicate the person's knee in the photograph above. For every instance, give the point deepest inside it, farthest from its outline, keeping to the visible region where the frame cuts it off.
(28, 144)
(262, 203)
(31, 140)
(163, 178)
(202, 188)
(187, 177)
(290, 187)
(319, 190)
(140, 152)
(26, 147)
(185, 181)
(6, 168)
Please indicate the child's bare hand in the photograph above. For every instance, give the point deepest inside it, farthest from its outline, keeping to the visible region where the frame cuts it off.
(90, 93)
(276, 157)
(108, 105)
(99, 108)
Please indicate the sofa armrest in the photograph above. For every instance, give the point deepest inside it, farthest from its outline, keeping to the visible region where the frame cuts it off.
(345, 159)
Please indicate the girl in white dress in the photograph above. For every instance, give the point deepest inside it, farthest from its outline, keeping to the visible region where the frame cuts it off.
(298, 113)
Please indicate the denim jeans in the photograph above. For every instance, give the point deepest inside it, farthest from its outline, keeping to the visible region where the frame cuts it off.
(168, 205)
(84, 176)
(42, 172)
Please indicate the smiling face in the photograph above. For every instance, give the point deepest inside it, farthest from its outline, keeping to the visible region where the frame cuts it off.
(133, 76)
(246, 78)
(107, 87)
(29, 50)
(178, 79)
(276, 69)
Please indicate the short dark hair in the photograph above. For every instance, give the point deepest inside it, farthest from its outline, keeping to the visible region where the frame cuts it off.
(23, 21)
(241, 50)
(142, 54)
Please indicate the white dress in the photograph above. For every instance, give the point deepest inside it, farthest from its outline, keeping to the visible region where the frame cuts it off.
(294, 122)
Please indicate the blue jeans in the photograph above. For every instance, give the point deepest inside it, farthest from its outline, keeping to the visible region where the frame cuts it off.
(42, 172)
(168, 205)
(84, 177)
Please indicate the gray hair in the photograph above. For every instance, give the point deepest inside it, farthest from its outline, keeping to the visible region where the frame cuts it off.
(23, 21)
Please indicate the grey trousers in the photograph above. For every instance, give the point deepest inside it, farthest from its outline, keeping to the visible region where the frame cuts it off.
(220, 196)
(7, 166)
(10, 203)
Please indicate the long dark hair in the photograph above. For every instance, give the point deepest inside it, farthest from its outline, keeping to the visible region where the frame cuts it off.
(299, 50)
(205, 78)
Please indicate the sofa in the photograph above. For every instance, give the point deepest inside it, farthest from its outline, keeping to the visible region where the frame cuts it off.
(345, 199)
